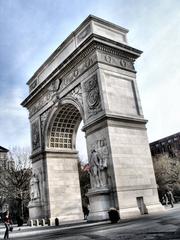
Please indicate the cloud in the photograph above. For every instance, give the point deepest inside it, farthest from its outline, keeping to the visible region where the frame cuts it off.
(32, 30)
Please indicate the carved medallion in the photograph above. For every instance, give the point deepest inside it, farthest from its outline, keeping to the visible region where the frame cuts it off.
(93, 100)
(107, 58)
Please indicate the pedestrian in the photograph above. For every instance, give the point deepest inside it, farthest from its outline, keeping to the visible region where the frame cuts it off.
(165, 199)
(86, 211)
(170, 198)
(7, 223)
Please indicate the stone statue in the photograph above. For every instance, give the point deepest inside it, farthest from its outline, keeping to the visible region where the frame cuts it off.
(104, 153)
(98, 164)
(34, 185)
(95, 168)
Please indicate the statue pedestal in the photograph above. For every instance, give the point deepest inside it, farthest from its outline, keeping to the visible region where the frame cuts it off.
(99, 200)
(35, 210)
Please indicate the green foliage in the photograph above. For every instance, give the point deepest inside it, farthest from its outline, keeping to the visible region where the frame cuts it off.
(84, 179)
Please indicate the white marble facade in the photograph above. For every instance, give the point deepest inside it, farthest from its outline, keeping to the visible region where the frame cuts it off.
(90, 77)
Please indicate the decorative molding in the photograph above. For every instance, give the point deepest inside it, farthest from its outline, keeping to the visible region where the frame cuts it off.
(92, 96)
(40, 103)
(33, 85)
(76, 94)
(55, 85)
(35, 135)
(50, 94)
(85, 60)
(117, 61)
(43, 120)
(77, 71)
(109, 55)
(84, 33)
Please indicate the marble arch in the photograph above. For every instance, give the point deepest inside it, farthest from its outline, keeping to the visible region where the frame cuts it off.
(90, 76)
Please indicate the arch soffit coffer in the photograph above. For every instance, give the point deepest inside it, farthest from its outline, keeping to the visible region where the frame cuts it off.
(70, 104)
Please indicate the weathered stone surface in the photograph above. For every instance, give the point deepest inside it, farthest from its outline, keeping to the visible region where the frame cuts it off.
(90, 77)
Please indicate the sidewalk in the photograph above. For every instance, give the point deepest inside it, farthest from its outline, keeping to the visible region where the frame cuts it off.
(32, 231)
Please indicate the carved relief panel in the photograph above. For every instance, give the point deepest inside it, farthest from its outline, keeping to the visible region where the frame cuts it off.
(92, 99)
(43, 121)
(35, 135)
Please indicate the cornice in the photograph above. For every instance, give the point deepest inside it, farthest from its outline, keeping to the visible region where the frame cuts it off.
(110, 119)
(91, 44)
(72, 36)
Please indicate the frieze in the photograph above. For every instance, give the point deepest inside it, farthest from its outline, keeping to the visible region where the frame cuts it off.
(50, 94)
(33, 85)
(117, 61)
(92, 96)
(106, 54)
(82, 67)
(35, 135)
(41, 102)
(55, 85)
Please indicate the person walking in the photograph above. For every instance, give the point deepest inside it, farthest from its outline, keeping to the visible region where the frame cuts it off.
(7, 223)
(165, 199)
(170, 198)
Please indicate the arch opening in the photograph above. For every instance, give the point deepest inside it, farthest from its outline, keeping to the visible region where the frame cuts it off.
(64, 128)
(64, 140)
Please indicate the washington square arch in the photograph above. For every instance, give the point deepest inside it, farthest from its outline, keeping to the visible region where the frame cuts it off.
(90, 77)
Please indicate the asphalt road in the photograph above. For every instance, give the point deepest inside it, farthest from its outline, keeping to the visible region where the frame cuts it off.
(148, 227)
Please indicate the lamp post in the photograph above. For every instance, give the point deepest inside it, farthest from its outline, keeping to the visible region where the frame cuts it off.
(22, 210)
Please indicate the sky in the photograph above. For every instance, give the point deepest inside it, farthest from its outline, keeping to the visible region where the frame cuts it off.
(31, 30)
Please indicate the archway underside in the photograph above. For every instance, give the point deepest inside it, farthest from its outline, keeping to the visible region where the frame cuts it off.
(64, 128)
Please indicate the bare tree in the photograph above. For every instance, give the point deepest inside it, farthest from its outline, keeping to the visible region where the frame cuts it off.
(15, 178)
(167, 172)
(84, 179)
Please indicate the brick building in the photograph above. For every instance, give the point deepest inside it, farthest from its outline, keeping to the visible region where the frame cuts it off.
(6, 162)
(169, 145)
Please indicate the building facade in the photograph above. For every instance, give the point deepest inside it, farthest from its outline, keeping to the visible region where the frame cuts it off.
(6, 163)
(169, 145)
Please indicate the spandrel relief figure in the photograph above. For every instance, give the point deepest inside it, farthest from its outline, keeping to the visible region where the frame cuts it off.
(34, 188)
(98, 164)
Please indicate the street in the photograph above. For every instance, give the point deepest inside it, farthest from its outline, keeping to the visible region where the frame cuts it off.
(148, 227)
